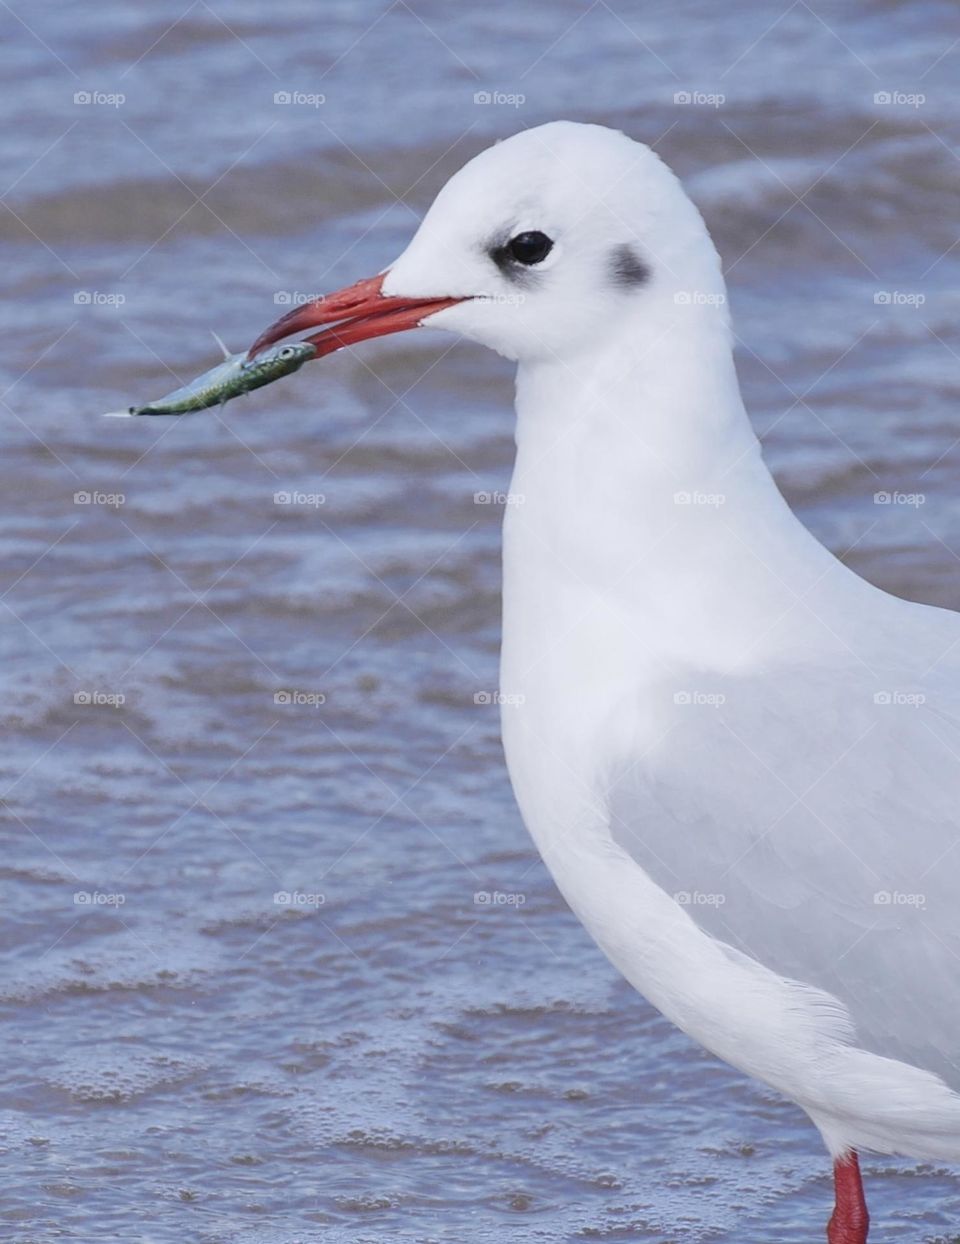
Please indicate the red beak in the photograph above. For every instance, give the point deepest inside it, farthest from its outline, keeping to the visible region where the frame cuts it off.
(356, 313)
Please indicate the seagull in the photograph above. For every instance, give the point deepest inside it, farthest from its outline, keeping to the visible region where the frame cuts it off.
(739, 760)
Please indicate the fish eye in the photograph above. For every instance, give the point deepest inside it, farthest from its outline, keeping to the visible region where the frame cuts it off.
(287, 352)
(530, 247)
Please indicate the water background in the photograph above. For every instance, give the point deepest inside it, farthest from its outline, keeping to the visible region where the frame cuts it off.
(385, 1057)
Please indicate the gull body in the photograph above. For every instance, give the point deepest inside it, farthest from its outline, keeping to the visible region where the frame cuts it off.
(738, 759)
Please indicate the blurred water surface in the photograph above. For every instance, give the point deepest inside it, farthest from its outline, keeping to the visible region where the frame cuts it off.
(287, 970)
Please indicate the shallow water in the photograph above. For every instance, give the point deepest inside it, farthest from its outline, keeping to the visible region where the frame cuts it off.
(419, 1043)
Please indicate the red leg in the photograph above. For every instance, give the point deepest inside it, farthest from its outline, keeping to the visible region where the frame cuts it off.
(849, 1221)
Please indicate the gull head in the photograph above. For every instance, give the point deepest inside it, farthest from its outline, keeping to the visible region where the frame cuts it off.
(543, 246)
(553, 238)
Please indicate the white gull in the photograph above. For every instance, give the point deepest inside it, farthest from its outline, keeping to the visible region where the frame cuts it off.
(738, 759)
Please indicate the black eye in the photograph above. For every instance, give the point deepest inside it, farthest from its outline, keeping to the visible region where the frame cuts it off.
(530, 247)
(287, 352)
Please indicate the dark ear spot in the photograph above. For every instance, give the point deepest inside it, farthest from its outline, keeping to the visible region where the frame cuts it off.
(628, 269)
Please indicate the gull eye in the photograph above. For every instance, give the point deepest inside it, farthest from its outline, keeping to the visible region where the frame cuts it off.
(530, 248)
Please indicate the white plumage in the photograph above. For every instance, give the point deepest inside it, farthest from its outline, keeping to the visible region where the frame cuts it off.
(740, 761)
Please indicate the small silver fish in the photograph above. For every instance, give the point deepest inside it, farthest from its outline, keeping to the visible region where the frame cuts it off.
(235, 375)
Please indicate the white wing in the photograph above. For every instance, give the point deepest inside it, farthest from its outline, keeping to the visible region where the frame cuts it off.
(810, 817)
